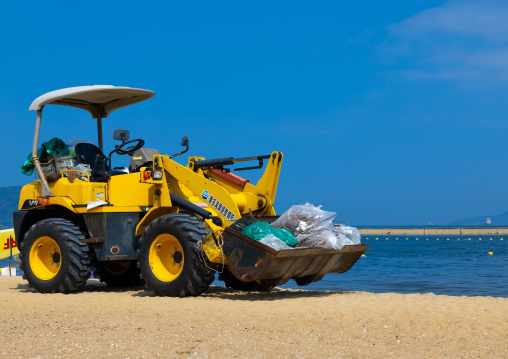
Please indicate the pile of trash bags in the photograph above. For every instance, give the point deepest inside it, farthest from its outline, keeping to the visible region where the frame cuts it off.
(52, 148)
(304, 226)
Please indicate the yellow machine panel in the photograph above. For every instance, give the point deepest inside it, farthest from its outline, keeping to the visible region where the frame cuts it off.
(127, 190)
(80, 192)
(29, 191)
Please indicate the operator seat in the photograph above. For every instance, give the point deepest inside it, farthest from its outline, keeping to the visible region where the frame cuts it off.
(90, 154)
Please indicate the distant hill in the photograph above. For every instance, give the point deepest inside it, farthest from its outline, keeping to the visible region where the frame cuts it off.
(9, 197)
(499, 220)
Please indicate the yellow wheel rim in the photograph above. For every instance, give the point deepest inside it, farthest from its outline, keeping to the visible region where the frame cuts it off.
(166, 257)
(45, 258)
(117, 267)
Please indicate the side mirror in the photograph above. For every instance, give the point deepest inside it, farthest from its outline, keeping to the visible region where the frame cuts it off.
(185, 142)
(121, 135)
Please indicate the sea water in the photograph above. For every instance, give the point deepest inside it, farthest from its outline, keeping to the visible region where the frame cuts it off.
(426, 264)
(447, 265)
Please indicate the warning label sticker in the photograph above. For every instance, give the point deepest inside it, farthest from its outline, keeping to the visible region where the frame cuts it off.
(202, 204)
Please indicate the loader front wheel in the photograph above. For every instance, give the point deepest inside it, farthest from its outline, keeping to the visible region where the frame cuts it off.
(168, 256)
(119, 273)
(53, 259)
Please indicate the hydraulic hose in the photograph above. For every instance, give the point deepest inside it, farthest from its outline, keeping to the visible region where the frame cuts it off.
(179, 201)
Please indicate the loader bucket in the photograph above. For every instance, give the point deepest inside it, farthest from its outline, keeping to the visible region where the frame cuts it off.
(251, 260)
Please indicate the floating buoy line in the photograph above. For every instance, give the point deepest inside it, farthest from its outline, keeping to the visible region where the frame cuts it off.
(437, 239)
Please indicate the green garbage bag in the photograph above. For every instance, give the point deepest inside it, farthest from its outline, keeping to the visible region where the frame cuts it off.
(54, 147)
(259, 230)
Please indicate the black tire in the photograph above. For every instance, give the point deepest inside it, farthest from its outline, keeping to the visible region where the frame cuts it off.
(179, 272)
(303, 281)
(70, 259)
(230, 281)
(119, 273)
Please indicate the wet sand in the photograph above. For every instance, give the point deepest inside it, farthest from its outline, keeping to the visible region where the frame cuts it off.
(101, 322)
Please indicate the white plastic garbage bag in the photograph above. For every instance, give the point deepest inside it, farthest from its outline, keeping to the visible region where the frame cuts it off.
(274, 242)
(305, 220)
(351, 233)
(321, 239)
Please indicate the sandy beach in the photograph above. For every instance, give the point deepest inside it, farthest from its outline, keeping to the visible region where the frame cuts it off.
(102, 322)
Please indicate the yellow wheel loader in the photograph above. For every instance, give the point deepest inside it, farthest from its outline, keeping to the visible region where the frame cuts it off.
(158, 222)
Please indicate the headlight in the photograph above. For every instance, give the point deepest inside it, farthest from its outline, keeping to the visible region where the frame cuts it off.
(156, 175)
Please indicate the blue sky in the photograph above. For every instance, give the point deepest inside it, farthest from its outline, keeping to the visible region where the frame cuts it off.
(387, 112)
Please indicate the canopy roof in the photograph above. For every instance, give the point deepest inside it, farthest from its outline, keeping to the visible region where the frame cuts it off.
(99, 100)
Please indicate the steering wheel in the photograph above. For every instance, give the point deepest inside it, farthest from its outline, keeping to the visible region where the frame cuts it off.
(129, 150)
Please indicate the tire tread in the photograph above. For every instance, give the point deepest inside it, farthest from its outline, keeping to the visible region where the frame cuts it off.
(80, 257)
(199, 278)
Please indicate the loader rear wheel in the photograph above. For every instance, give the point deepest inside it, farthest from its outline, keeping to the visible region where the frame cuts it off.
(53, 259)
(230, 281)
(169, 259)
(119, 273)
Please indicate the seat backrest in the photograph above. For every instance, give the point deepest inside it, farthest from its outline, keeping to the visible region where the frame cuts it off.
(90, 154)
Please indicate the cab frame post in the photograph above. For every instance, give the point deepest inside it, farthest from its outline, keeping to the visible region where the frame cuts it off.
(45, 191)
